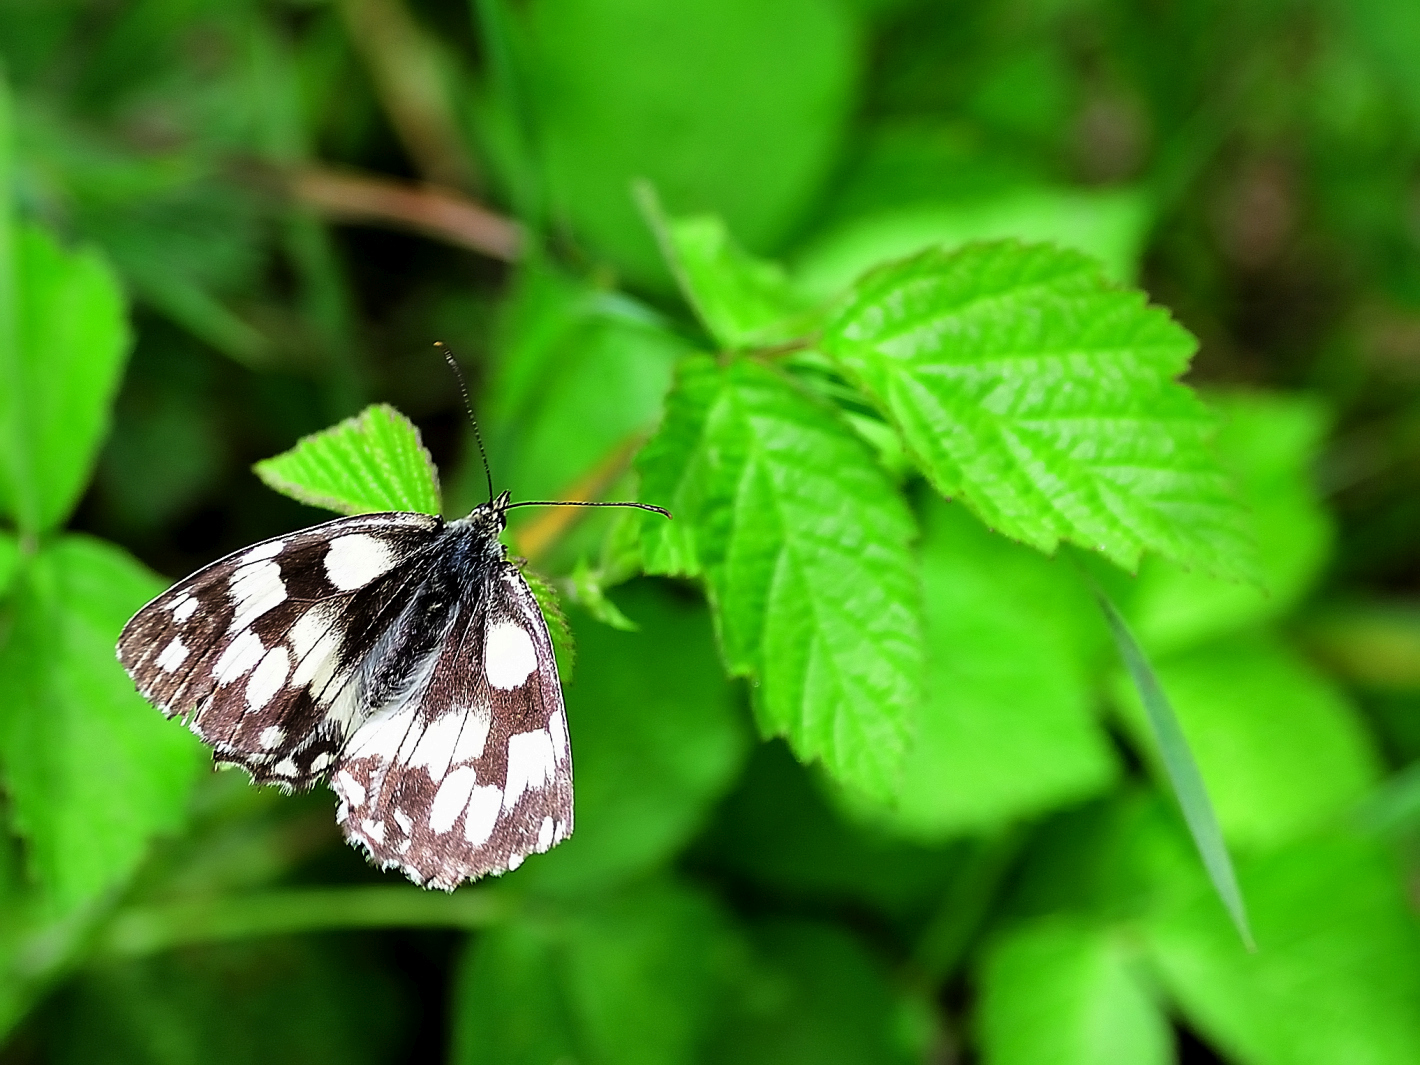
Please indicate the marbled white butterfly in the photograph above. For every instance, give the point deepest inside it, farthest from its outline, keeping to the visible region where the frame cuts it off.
(399, 656)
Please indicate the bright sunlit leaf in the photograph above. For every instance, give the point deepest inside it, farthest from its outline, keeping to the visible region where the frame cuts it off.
(805, 546)
(58, 376)
(372, 462)
(1044, 398)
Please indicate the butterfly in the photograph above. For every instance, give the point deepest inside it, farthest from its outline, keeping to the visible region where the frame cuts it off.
(398, 656)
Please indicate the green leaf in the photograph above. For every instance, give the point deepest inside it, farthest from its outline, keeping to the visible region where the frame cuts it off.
(1008, 727)
(374, 461)
(742, 301)
(1281, 748)
(816, 996)
(91, 769)
(1044, 398)
(1108, 225)
(804, 544)
(632, 980)
(1271, 444)
(656, 748)
(1337, 973)
(1066, 992)
(59, 371)
(730, 106)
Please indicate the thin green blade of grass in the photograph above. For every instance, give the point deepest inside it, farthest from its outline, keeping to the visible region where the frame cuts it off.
(1182, 771)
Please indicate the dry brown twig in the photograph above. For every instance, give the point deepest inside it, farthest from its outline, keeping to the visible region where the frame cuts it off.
(350, 196)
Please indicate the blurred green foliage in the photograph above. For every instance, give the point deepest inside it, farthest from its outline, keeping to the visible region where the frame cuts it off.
(742, 285)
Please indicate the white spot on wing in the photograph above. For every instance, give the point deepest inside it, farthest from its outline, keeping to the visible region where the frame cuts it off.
(374, 829)
(184, 608)
(530, 762)
(285, 768)
(544, 834)
(382, 735)
(451, 798)
(310, 629)
(261, 552)
(403, 820)
(268, 677)
(173, 655)
(320, 761)
(557, 727)
(484, 804)
(255, 589)
(514, 860)
(474, 736)
(508, 655)
(241, 654)
(436, 747)
(351, 788)
(271, 735)
(356, 559)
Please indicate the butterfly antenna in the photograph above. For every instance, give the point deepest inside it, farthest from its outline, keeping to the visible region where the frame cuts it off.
(583, 503)
(468, 406)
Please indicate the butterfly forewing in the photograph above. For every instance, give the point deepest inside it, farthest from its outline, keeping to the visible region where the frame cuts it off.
(472, 772)
(256, 649)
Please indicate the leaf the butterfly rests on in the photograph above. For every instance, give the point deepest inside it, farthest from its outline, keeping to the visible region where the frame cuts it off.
(372, 462)
(399, 656)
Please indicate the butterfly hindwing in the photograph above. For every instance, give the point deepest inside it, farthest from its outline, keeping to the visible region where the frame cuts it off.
(257, 649)
(469, 770)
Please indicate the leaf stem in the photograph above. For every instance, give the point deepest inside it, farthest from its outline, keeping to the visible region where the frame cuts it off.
(142, 930)
(435, 212)
(538, 536)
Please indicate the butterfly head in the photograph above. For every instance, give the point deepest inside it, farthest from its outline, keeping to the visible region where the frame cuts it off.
(491, 517)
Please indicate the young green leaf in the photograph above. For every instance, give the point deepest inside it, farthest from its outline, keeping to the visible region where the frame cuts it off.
(805, 546)
(372, 462)
(60, 367)
(92, 771)
(1044, 398)
(1063, 991)
(741, 300)
(1182, 771)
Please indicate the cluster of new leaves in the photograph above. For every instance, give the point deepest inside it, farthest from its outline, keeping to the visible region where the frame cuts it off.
(1021, 382)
